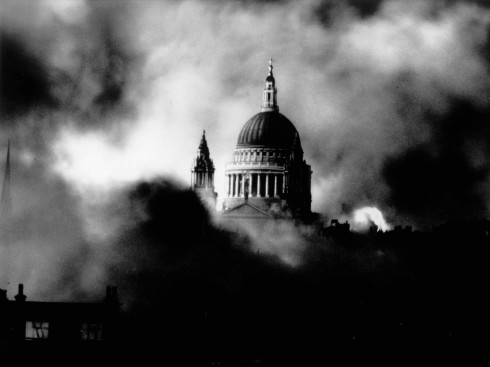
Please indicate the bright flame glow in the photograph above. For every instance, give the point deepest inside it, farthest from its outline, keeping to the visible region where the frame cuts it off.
(363, 217)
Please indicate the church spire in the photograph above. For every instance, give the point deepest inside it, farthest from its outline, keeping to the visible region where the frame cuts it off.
(6, 200)
(203, 167)
(269, 97)
(202, 174)
(203, 150)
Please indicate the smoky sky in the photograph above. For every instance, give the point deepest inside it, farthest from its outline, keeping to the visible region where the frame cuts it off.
(64, 67)
(448, 177)
(25, 84)
(143, 66)
(391, 100)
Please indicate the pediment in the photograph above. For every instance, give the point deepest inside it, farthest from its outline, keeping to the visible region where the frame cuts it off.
(246, 210)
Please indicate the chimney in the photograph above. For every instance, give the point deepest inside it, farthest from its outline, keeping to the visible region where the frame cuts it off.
(20, 297)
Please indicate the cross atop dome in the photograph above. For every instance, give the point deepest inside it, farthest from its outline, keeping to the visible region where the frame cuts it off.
(269, 96)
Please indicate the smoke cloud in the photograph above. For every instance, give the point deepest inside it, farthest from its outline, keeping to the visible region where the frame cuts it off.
(351, 96)
(390, 100)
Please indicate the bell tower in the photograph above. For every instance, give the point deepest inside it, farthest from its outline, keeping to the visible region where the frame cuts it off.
(202, 175)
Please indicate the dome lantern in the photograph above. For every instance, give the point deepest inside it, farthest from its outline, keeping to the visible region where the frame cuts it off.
(269, 96)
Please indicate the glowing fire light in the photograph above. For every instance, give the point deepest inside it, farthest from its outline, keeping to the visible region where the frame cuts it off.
(370, 214)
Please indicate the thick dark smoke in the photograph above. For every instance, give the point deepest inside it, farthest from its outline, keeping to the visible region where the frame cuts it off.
(418, 119)
(190, 285)
(81, 70)
(24, 80)
(165, 239)
(196, 287)
(328, 10)
(56, 73)
(447, 177)
(391, 99)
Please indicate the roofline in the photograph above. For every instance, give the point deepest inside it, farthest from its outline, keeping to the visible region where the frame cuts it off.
(247, 203)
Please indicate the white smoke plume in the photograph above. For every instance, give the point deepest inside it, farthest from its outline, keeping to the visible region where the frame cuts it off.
(363, 218)
(361, 89)
(122, 91)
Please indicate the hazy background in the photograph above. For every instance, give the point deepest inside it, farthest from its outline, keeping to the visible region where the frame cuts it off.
(391, 100)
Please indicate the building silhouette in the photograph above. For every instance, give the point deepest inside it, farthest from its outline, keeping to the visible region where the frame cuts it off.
(42, 329)
(45, 327)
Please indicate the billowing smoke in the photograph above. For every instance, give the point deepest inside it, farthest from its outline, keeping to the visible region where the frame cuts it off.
(376, 87)
(56, 72)
(365, 217)
(390, 100)
(282, 240)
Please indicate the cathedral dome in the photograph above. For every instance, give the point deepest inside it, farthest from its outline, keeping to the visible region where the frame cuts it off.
(268, 177)
(268, 129)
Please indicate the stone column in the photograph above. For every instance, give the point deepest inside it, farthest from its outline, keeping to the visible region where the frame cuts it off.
(283, 183)
(229, 185)
(275, 185)
(243, 186)
(267, 185)
(251, 187)
(258, 185)
(236, 185)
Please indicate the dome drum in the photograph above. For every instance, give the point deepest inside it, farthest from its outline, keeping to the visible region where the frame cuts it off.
(260, 155)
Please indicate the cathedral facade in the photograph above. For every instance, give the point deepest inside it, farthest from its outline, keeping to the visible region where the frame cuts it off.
(268, 177)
